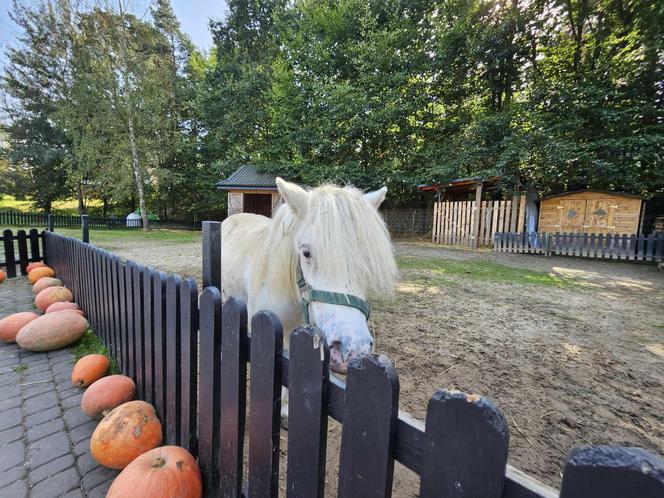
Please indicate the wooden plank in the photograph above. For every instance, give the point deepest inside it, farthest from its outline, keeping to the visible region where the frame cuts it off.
(212, 254)
(434, 225)
(173, 361)
(501, 211)
(130, 352)
(446, 221)
(650, 247)
(137, 326)
(612, 471)
(466, 447)
(85, 228)
(659, 248)
(22, 241)
(10, 260)
(640, 244)
(189, 355)
(148, 334)
(232, 396)
(477, 211)
(159, 341)
(265, 405)
(115, 311)
(366, 461)
(34, 245)
(513, 213)
(307, 420)
(480, 229)
(208, 391)
(521, 223)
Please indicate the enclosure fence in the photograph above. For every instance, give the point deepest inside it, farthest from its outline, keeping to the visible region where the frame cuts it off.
(469, 224)
(191, 362)
(16, 219)
(610, 246)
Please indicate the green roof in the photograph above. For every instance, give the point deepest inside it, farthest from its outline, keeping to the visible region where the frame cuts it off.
(248, 177)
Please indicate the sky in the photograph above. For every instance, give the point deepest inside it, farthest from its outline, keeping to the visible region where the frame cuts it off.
(193, 16)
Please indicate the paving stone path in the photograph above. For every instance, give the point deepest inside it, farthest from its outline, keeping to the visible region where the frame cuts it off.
(44, 436)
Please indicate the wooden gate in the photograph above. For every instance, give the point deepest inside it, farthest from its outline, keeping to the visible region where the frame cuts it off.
(461, 223)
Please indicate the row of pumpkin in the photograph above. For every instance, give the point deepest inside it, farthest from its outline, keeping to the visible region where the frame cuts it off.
(129, 433)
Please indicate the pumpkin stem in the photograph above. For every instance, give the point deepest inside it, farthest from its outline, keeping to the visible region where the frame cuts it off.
(158, 462)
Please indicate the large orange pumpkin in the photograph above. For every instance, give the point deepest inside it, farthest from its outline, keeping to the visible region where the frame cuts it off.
(33, 265)
(125, 433)
(3, 276)
(52, 331)
(45, 282)
(107, 393)
(89, 369)
(52, 295)
(38, 273)
(166, 472)
(10, 325)
(64, 306)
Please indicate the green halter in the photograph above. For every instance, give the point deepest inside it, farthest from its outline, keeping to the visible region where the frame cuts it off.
(309, 295)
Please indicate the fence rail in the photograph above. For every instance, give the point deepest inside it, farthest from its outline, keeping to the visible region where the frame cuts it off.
(152, 325)
(626, 247)
(462, 223)
(16, 219)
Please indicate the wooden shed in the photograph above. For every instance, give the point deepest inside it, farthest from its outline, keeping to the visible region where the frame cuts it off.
(591, 211)
(251, 191)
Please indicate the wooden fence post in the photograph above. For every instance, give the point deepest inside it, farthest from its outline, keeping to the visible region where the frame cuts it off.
(465, 447)
(85, 228)
(600, 471)
(51, 224)
(476, 218)
(212, 254)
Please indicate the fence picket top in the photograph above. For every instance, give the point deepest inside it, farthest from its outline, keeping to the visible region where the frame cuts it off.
(307, 419)
(369, 429)
(608, 471)
(466, 446)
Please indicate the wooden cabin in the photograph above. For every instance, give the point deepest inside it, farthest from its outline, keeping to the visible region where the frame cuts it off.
(251, 191)
(591, 211)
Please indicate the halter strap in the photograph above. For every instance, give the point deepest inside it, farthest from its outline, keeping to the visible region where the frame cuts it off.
(309, 295)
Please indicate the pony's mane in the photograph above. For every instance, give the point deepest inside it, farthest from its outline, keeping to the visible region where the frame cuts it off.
(351, 239)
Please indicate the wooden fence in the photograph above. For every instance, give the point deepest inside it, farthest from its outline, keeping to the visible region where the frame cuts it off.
(627, 247)
(461, 223)
(20, 249)
(152, 325)
(16, 219)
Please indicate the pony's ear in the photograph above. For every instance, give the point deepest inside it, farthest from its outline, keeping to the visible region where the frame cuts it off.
(293, 195)
(376, 197)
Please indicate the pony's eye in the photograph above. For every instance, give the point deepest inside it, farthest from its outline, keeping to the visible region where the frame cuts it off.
(306, 253)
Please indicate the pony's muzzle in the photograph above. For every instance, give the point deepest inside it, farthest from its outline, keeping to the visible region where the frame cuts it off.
(341, 354)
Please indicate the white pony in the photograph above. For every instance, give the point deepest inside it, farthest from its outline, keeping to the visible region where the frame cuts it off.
(328, 245)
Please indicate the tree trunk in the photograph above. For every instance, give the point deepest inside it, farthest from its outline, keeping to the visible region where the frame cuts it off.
(137, 172)
(81, 204)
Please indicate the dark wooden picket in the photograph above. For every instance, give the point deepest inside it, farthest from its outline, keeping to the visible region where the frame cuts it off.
(172, 360)
(232, 396)
(308, 398)
(465, 451)
(265, 405)
(461, 451)
(612, 471)
(368, 433)
(10, 260)
(209, 389)
(188, 404)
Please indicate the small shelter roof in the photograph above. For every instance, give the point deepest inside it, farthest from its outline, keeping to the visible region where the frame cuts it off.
(608, 192)
(457, 183)
(248, 177)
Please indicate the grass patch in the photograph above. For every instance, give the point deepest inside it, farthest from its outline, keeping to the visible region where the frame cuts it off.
(67, 206)
(104, 238)
(21, 367)
(90, 344)
(438, 271)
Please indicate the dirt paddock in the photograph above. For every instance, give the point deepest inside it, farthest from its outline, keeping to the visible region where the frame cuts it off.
(571, 350)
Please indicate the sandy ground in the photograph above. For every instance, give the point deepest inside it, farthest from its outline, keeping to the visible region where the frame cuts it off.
(571, 365)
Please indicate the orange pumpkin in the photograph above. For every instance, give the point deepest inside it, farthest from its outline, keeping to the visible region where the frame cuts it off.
(10, 325)
(52, 331)
(37, 273)
(35, 264)
(125, 433)
(45, 282)
(64, 306)
(166, 472)
(107, 393)
(3, 276)
(89, 369)
(52, 295)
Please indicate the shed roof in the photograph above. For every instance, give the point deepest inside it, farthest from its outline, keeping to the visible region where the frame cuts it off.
(458, 183)
(248, 177)
(589, 190)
